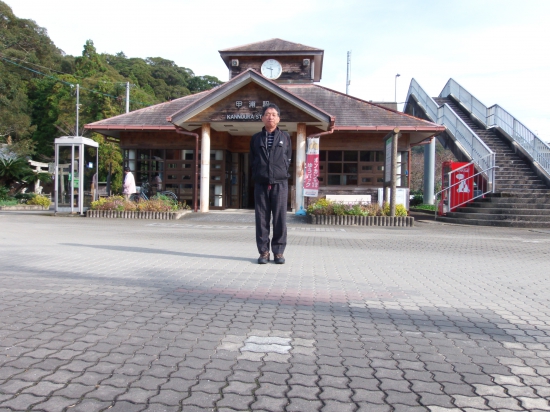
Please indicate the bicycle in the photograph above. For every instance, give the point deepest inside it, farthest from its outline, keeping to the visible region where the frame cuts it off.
(169, 194)
(137, 197)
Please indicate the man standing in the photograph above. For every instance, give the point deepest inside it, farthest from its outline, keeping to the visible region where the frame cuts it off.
(270, 155)
(129, 186)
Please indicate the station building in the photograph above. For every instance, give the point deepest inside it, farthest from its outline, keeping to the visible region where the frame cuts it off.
(163, 138)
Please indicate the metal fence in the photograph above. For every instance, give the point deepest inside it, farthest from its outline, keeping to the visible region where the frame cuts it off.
(474, 106)
(496, 116)
(538, 150)
(473, 146)
(479, 152)
(424, 100)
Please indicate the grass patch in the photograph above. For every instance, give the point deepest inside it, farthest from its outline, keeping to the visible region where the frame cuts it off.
(426, 207)
(11, 202)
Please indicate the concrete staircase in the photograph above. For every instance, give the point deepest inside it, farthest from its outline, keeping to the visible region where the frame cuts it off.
(521, 200)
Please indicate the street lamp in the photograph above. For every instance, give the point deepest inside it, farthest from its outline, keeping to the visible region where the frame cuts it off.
(395, 97)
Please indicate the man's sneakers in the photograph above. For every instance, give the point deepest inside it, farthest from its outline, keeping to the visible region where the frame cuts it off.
(279, 259)
(264, 258)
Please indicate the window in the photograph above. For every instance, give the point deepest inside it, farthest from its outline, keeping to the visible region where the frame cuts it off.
(357, 167)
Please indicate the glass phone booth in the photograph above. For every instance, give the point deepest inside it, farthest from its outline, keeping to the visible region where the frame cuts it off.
(76, 173)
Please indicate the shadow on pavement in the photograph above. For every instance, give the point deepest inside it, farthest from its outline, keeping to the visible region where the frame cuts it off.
(160, 252)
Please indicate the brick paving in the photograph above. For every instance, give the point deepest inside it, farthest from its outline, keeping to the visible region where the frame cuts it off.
(121, 315)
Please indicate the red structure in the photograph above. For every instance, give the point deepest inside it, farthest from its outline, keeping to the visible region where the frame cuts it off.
(458, 178)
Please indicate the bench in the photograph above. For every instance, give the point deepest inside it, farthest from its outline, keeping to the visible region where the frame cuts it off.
(365, 199)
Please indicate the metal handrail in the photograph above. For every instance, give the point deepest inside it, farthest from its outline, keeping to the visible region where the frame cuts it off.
(482, 156)
(479, 152)
(424, 100)
(468, 100)
(538, 150)
(490, 171)
(496, 116)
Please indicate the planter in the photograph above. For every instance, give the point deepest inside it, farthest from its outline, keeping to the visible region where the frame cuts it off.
(24, 207)
(113, 214)
(397, 221)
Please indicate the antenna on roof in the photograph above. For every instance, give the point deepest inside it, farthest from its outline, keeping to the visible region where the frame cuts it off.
(348, 77)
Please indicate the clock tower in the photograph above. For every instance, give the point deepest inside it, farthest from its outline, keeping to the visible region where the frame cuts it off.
(278, 60)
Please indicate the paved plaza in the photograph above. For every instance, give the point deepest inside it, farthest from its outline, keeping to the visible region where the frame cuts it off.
(145, 315)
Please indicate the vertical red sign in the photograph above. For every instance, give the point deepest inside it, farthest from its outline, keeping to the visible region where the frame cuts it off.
(311, 169)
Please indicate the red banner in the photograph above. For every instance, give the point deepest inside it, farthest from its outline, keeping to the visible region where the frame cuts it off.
(311, 169)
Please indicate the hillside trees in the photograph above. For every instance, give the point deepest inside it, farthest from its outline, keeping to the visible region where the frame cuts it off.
(38, 85)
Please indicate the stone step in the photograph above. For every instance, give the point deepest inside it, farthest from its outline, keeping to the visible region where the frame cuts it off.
(496, 223)
(509, 217)
(521, 187)
(504, 211)
(511, 205)
(519, 181)
(531, 194)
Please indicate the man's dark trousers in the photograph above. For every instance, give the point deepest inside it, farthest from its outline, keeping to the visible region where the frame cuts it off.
(271, 202)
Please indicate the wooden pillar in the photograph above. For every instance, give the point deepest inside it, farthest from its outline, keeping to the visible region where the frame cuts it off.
(205, 168)
(393, 183)
(300, 162)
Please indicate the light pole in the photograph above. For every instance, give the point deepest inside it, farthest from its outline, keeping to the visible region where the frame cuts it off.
(395, 89)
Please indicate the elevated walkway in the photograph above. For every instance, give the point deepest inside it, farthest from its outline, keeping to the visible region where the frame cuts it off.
(520, 194)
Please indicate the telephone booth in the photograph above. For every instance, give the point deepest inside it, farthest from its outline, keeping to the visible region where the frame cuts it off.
(458, 180)
(76, 171)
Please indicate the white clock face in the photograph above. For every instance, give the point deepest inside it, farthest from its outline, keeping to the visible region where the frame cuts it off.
(272, 69)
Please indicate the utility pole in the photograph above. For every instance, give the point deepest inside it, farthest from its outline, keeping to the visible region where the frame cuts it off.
(395, 89)
(77, 106)
(348, 76)
(127, 97)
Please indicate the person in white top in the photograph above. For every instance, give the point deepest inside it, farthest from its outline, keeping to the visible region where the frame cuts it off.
(129, 186)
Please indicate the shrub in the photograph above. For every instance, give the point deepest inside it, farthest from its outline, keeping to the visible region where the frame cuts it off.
(25, 197)
(400, 210)
(417, 199)
(374, 209)
(326, 207)
(4, 193)
(155, 204)
(321, 207)
(40, 201)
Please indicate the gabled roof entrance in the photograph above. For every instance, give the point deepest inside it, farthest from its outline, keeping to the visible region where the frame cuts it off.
(236, 106)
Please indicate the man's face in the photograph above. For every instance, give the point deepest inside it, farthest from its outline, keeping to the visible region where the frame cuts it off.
(270, 119)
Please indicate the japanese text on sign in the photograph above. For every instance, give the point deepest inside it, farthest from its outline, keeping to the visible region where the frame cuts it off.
(311, 168)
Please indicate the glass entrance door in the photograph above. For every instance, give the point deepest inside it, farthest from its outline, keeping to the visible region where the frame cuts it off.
(233, 180)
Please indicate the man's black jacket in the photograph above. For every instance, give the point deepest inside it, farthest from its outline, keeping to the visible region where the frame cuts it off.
(270, 166)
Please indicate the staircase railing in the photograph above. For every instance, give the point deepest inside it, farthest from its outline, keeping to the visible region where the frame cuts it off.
(445, 194)
(481, 155)
(531, 143)
(471, 143)
(424, 100)
(496, 116)
(474, 106)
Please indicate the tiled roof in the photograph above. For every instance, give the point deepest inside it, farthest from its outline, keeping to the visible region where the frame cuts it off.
(272, 45)
(353, 112)
(349, 112)
(152, 116)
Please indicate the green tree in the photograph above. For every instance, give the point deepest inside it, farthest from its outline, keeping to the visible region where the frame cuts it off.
(37, 102)
(110, 158)
(90, 63)
(201, 83)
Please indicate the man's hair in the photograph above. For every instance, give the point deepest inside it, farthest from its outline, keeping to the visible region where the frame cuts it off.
(126, 169)
(271, 106)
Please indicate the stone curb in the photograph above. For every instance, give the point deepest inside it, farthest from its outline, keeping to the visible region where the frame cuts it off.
(399, 221)
(113, 214)
(24, 207)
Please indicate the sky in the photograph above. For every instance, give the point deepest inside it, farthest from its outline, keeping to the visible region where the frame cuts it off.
(496, 49)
